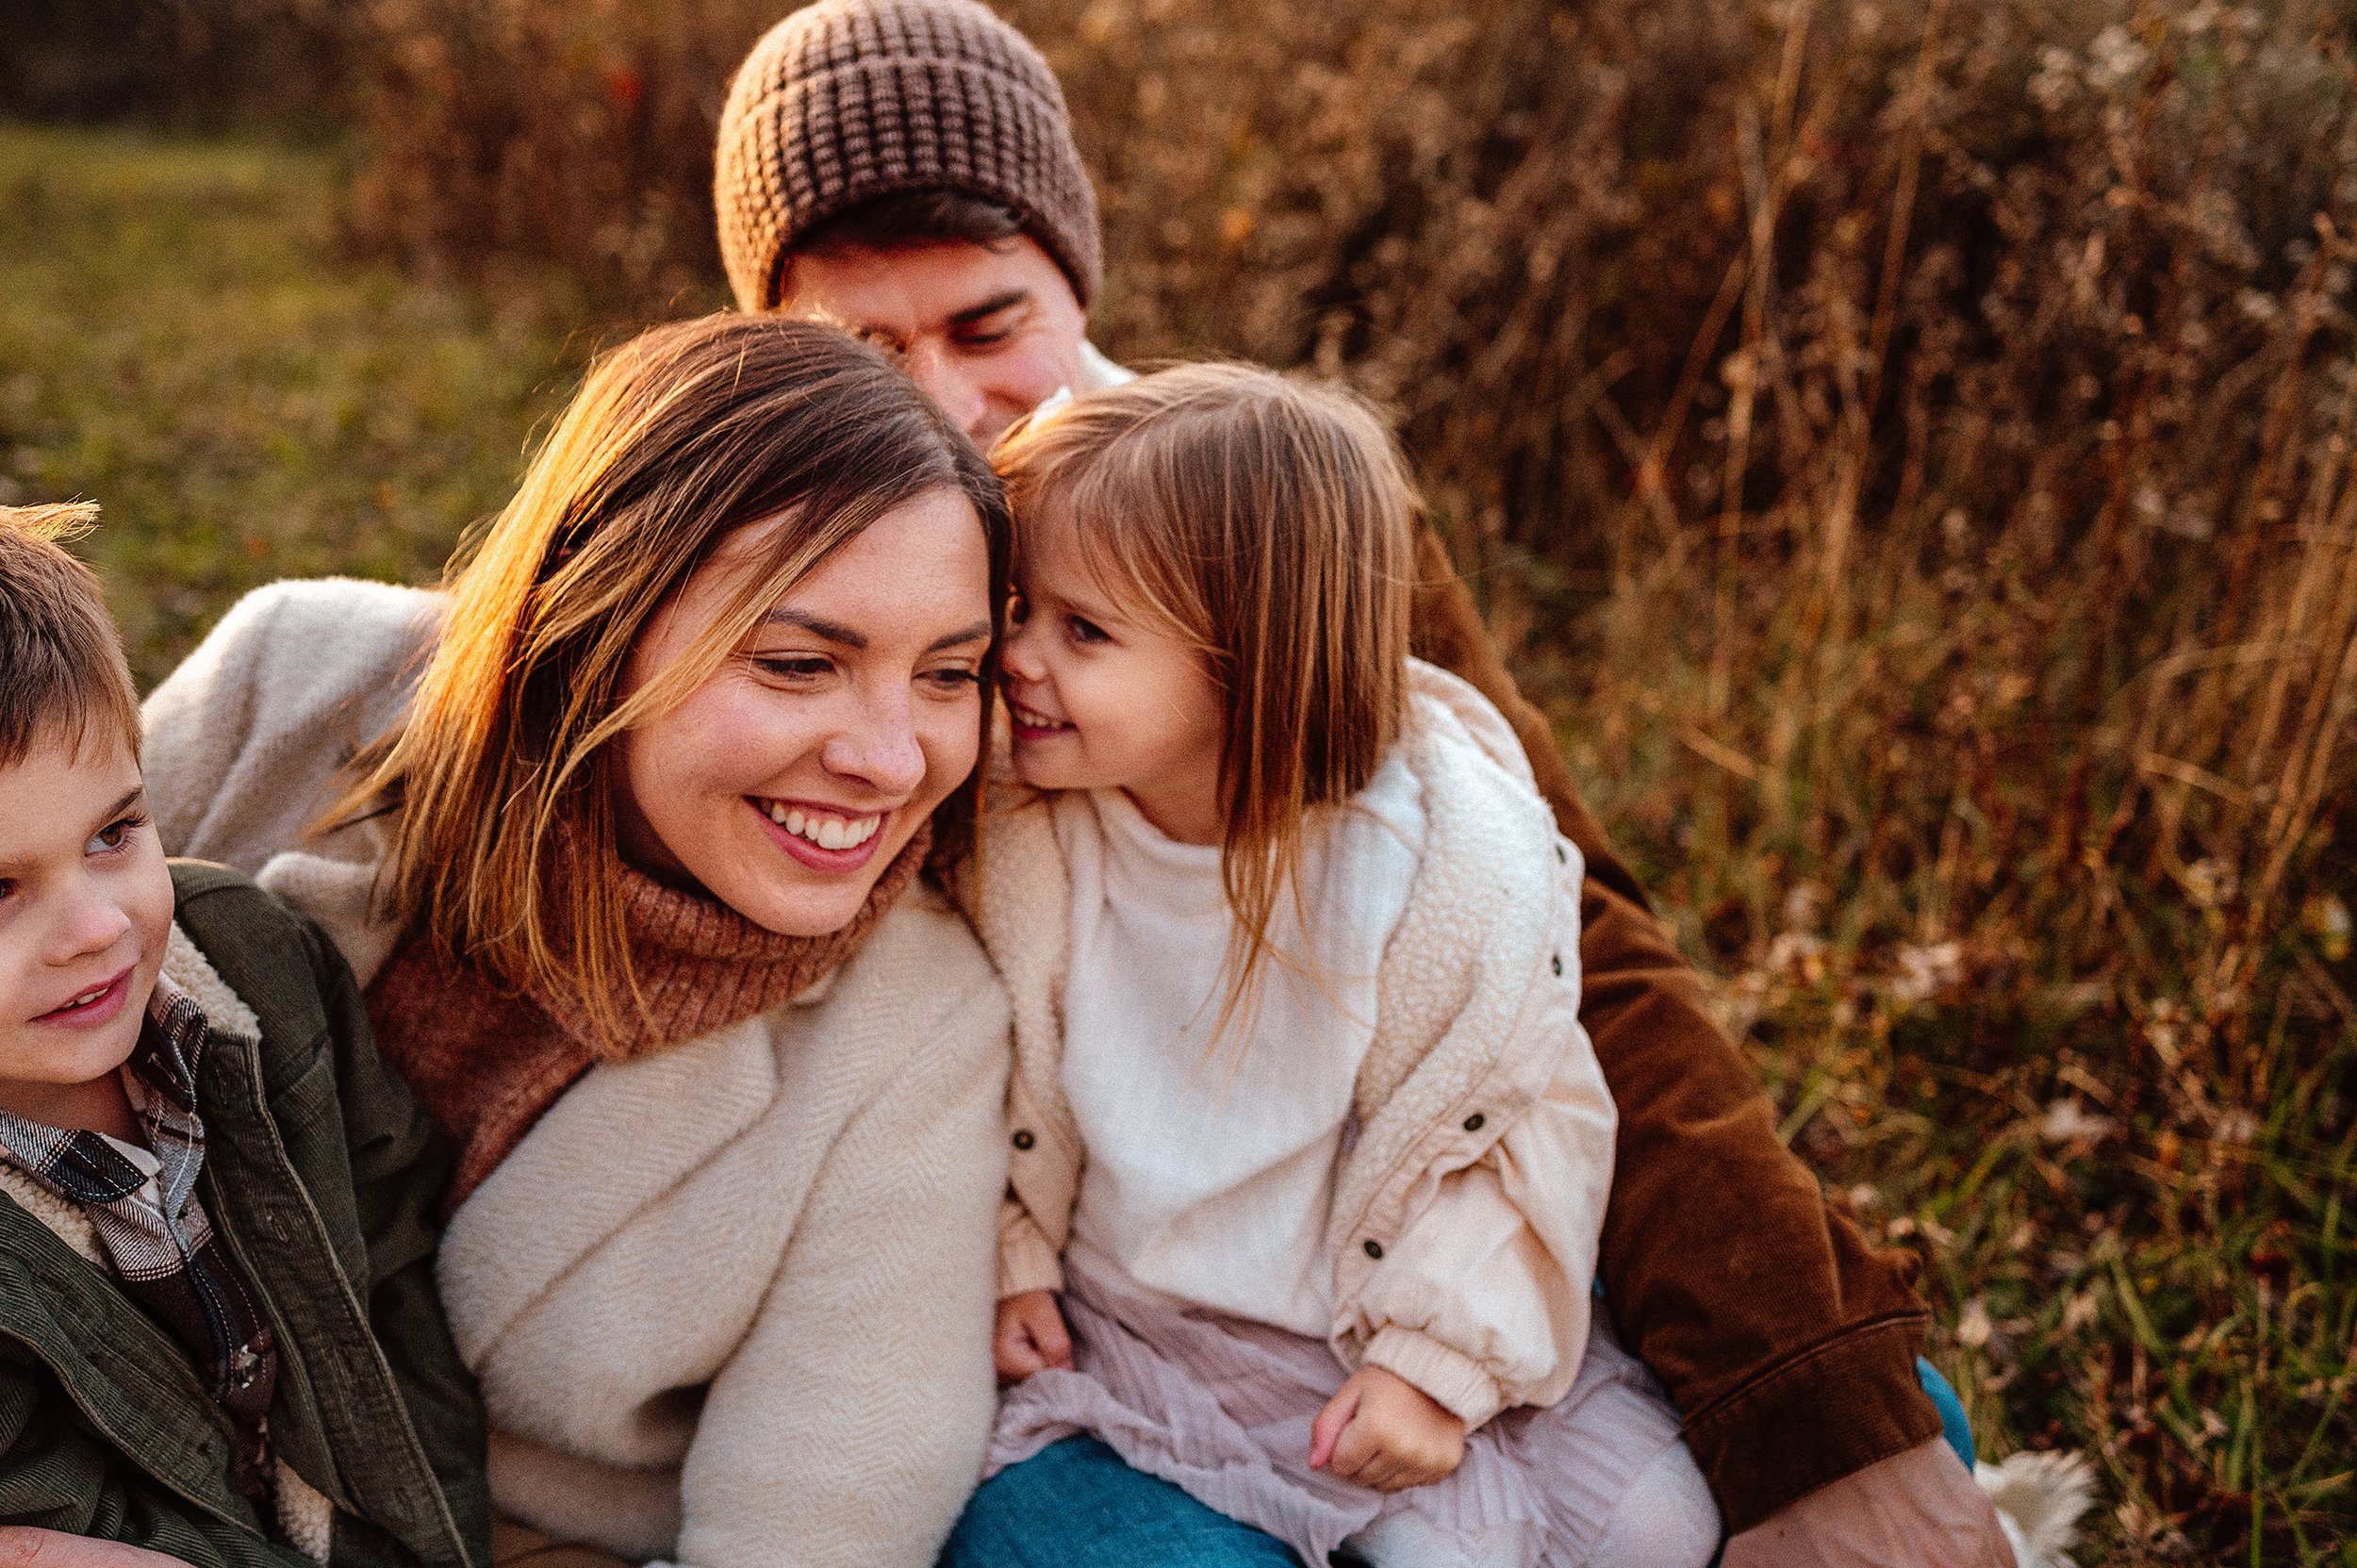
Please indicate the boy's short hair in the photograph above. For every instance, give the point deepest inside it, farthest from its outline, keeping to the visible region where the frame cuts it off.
(62, 674)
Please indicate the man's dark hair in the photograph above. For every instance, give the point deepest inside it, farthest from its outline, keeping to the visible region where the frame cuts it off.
(906, 218)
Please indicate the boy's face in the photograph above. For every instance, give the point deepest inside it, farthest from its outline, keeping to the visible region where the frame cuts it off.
(85, 907)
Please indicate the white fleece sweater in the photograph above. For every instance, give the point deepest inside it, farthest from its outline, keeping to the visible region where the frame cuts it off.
(1211, 1162)
(729, 1303)
(1465, 1213)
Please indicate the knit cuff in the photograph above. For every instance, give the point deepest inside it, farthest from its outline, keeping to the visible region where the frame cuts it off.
(1026, 1261)
(1454, 1381)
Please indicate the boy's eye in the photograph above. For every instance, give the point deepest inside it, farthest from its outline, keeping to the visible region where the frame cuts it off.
(113, 836)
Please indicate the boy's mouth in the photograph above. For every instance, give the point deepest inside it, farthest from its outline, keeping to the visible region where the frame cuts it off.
(95, 1005)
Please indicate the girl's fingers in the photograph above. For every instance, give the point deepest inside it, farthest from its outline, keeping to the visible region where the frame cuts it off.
(1325, 1433)
(1053, 1339)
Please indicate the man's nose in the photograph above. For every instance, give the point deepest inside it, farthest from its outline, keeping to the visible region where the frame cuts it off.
(880, 749)
(953, 392)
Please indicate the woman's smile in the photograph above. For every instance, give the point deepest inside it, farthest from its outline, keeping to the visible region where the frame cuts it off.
(825, 838)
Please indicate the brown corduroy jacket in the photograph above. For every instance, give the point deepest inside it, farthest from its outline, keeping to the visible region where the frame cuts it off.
(1785, 1341)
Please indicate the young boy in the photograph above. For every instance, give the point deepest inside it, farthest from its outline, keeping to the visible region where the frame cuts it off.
(219, 1336)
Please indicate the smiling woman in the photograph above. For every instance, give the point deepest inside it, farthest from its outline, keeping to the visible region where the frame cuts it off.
(633, 865)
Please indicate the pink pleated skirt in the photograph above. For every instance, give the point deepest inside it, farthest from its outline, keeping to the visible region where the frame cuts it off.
(1222, 1408)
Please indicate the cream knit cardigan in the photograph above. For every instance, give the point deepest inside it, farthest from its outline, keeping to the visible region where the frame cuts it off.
(729, 1303)
(1469, 1199)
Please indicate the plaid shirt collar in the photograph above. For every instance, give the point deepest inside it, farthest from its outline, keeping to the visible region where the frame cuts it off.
(162, 1244)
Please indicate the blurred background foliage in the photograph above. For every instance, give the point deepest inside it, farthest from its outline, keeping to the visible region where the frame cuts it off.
(1906, 445)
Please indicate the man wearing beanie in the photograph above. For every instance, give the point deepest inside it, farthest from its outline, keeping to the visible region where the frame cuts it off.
(906, 168)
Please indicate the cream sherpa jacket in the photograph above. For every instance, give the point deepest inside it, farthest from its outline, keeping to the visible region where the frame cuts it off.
(729, 1303)
(1464, 1228)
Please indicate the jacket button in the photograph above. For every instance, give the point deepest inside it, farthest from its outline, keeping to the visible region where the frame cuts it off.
(1473, 1123)
(1559, 963)
(1023, 1139)
(1375, 1248)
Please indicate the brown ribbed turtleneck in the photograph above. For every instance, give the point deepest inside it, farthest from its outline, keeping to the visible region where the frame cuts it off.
(486, 1061)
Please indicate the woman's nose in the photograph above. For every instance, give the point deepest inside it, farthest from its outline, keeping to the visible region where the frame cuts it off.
(881, 751)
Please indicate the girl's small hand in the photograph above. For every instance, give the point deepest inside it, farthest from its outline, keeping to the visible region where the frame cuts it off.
(1031, 1336)
(1382, 1431)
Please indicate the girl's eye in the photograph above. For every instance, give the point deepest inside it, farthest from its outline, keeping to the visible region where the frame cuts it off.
(1084, 629)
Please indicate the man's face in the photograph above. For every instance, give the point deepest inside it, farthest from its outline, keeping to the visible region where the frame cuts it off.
(987, 330)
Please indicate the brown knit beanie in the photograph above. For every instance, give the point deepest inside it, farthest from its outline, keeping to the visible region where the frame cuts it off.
(850, 100)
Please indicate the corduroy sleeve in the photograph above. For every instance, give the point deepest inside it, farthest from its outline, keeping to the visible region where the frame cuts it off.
(56, 1474)
(1787, 1342)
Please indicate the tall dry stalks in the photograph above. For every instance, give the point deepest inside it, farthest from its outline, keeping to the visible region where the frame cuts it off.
(1909, 447)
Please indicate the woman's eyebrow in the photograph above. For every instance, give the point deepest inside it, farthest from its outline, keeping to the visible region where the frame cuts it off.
(833, 631)
(978, 632)
(817, 626)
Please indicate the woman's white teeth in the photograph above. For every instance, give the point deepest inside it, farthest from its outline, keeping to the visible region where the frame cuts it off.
(89, 996)
(827, 832)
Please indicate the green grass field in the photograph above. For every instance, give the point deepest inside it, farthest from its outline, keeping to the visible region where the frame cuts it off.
(2138, 1241)
(180, 343)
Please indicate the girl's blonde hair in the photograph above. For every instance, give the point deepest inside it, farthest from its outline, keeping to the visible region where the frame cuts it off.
(1272, 522)
(501, 801)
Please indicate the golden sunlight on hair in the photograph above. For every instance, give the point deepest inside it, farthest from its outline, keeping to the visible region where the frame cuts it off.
(1272, 521)
(503, 811)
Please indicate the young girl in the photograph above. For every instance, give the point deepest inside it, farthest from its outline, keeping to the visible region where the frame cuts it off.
(1306, 1130)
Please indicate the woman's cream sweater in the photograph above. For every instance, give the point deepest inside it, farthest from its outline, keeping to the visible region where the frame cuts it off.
(729, 1303)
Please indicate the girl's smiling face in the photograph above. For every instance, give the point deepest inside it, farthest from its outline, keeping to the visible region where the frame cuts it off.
(787, 782)
(1102, 697)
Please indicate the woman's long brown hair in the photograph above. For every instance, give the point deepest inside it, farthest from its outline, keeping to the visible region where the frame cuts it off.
(1272, 522)
(499, 801)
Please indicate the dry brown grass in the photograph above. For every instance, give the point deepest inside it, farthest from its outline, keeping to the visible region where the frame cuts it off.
(1908, 446)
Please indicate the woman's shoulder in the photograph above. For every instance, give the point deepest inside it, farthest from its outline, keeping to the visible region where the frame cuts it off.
(246, 737)
(921, 964)
(316, 635)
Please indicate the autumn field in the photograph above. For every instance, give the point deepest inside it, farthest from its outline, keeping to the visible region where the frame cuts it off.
(1907, 447)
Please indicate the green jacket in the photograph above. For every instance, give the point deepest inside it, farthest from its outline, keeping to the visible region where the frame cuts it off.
(320, 1174)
